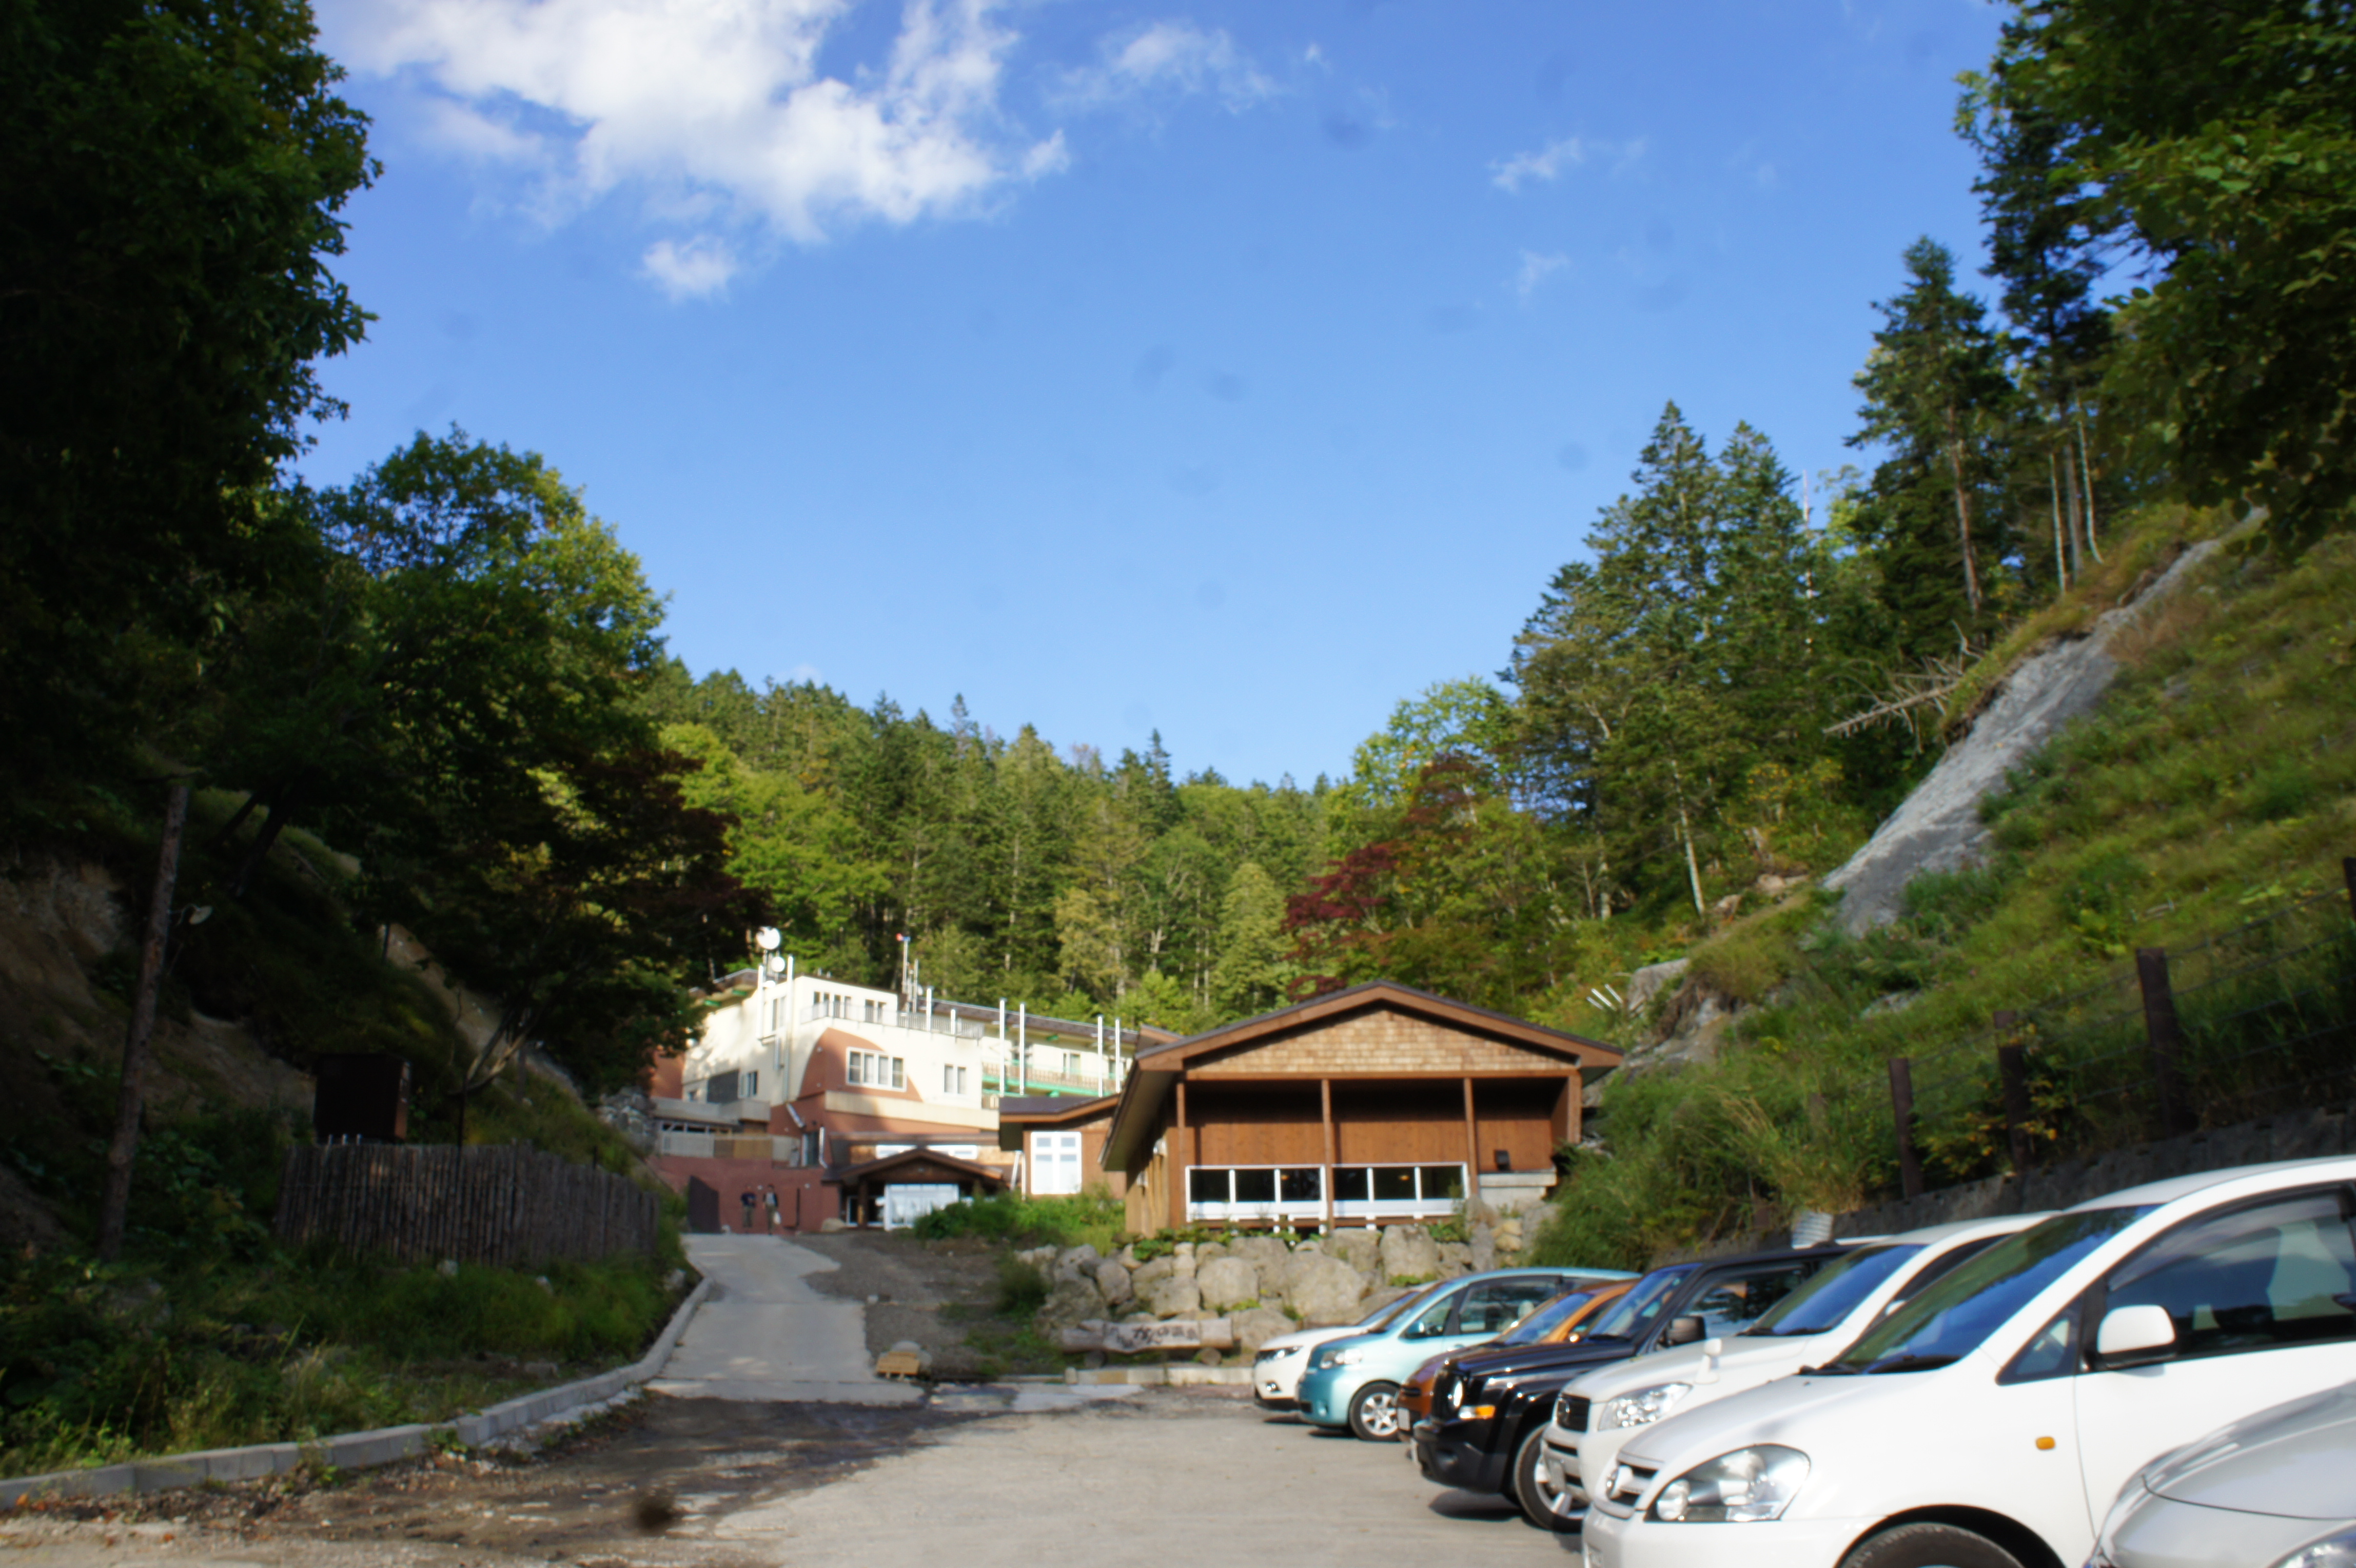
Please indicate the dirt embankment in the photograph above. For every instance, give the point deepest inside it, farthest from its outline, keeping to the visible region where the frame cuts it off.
(935, 1294)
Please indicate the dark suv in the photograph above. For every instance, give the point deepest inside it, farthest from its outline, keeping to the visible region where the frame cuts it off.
(1490, 1408)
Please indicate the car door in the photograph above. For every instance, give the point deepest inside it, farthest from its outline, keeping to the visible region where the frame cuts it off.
(2263, 1299)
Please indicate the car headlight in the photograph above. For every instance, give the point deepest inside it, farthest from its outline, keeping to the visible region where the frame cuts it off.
(1349, 1356)
(1747, 1486)
(2337, 1550)
(1641, 1408)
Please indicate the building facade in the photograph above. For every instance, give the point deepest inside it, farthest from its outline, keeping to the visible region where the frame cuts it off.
(1373, 1104)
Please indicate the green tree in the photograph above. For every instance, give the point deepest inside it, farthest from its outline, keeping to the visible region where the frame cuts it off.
(1250, 973)
(2216, 142)
(176, 174)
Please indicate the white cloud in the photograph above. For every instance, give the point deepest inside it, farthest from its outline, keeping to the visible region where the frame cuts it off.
(703, 265)
(1534, 270)
(710, 105)
(1167, 57)
(1547, 163)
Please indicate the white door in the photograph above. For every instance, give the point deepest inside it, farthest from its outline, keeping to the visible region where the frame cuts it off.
(2263, 1300)
(1055, 1162)
(906, 1202)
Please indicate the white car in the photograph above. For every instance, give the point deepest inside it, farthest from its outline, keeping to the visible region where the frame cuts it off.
(1278, 1364)
(1596, 1415)
(2274, 1490)
(1987, 1421)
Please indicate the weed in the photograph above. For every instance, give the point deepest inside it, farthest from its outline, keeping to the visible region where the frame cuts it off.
(1022, 1288)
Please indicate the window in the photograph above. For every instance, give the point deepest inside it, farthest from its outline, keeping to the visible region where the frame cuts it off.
(1071, 1064)
(1423, 1189)
(1734, 1305)
(875, 1071)
(752, 1086)
(952, 1080)
(1496, 1305)
(1055, 1162)
(2281, 1272)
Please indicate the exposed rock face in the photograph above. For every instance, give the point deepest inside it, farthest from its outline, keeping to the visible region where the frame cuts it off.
(1324, 1290)
(1257, 1326)
(1171, 1297)
(1112, 1281)
(1226, 1282)
(1937, 828)
(1409, 1252)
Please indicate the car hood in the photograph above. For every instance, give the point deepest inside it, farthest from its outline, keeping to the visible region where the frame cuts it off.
(1306, 1338)
(2296, 1460)
(1785, 1411)
(1514, 1360)
(1747, 1360)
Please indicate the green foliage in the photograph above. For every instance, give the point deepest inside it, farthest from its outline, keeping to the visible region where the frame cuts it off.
(104, 1363)
(1022, 1288)
(1091, 1218)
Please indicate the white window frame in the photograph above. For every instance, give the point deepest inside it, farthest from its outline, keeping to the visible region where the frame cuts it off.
(1279, 1208)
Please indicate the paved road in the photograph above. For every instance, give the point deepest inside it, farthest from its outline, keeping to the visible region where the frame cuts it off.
(764, 1334)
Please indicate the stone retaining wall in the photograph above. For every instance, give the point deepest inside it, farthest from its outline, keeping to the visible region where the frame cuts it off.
(1264, 1285)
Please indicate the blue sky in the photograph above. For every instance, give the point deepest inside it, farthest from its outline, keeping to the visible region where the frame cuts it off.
(1233, 369)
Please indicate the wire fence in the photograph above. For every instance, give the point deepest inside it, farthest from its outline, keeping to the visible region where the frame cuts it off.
(2250, 1022)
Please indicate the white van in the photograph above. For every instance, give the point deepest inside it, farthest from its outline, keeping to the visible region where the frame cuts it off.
(1990, 1421)
(1599, 1411)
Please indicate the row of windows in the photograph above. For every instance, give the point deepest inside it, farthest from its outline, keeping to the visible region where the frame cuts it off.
(1306, 1183)
(877, 1070)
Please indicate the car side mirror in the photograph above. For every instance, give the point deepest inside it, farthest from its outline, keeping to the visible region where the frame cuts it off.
(2133, 1331)
(1685, 1330)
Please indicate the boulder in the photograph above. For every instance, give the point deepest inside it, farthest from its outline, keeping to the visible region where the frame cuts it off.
(1074, 1261)
(1455, 1260)
(1182, 1260)
(1260, 1251)
(1211, 1252)
(1171, 1297)
(1149, 1274)
(1227, 1282)
(1482, 1250)
(1257, 1326)
(1409, 1254)
(1072, 1302)
(1323, 1290)
(1360, 1248)
(1113, 1281)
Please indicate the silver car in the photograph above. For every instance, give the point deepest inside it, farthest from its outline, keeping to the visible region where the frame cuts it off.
(2277, 1489)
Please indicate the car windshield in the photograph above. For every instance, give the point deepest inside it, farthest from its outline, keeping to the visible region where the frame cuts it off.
(1643, 1303)
(1833, 1293)
(1954, 1318)
(1391, 1312)
(1546, 1318)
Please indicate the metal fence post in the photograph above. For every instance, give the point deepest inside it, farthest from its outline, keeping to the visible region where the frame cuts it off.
(2012, 1072)
(1902, 1113)
(2164, 1038)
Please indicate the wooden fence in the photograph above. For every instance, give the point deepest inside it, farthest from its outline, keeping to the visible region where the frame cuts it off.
(478, 1204)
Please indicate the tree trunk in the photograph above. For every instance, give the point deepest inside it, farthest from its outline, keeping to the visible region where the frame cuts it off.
(1685, 831)
(2061, 550)
(114, 1205)
(2087, 463)
(1963, 513)
(257, 854)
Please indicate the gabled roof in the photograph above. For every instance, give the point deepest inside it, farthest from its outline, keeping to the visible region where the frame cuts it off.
(1015, 1115)
(859, 1173)
(1157, 1069)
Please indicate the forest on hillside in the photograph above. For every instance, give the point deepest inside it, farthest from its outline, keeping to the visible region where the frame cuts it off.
(448, 670)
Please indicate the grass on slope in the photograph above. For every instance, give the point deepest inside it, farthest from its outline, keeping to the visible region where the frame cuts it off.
(2216, 781)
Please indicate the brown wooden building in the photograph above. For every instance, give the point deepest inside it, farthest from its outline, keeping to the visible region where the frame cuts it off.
(867, 1189)
(1373, 1104)
(1062, 1142)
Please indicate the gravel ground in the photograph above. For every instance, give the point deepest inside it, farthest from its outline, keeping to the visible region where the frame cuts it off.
(937, 1294)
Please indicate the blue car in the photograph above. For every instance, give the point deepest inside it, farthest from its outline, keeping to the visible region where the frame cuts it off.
(1354, 1381)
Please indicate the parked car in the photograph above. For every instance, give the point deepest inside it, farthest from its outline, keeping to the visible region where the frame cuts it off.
(2277, 1489)
(1354, 1382)
(1601, 1409)
(1565, 1318)
(1986, 1422)
(1489, 1410)
(1278, 1365)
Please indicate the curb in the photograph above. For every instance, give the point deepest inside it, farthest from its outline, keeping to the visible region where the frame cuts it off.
(357, 1450)
(1176, 1375)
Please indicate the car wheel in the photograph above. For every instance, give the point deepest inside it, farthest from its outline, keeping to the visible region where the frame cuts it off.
(1929, 1546)
(1538, 1497)
(1375, 1412)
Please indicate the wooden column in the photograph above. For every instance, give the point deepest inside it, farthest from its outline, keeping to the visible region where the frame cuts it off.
(1325, 1110)
(1178, 1153)
(1471, 1149)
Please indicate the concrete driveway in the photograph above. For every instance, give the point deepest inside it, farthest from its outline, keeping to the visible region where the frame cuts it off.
(764, 1334)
